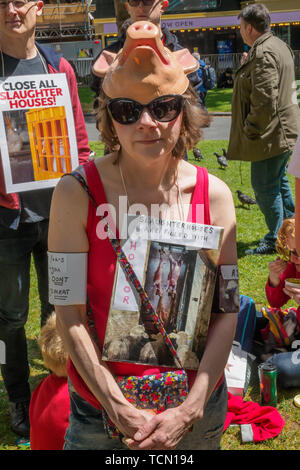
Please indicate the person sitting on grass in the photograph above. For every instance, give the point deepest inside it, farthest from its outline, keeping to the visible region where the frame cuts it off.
(50, 403)
(278, 294)
(225, 79)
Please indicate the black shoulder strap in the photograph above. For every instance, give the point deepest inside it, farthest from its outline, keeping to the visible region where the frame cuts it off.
(78, 176)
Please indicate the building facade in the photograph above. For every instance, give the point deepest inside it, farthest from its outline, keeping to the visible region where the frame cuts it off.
(209, 26)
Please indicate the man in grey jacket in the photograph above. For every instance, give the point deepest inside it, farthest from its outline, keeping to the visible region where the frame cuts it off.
(265, 119)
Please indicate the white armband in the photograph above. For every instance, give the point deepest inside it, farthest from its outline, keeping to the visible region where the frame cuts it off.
(229, 300)
(294, 164)
(67, 278)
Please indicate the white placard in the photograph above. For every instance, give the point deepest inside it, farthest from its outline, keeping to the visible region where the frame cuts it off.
(168, 231)
(135, 252)
(37, 134)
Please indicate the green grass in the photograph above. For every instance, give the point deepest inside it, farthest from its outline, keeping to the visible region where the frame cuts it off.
(219, 100)
(253, 274)
(86, 96)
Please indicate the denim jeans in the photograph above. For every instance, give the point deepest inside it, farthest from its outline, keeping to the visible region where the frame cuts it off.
(86, 431)
(273, 192)
(288, 368)
(16, 247)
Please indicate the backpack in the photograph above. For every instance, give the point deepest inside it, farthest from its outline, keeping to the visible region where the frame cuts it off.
(209, 77)
(246, 323)
(281, 330)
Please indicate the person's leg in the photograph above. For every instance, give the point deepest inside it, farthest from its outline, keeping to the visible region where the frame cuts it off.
(14, 301)
(286, 193)
(288, 368)
(269, 185)
(207, 433)
(86, 429)
(41, 265)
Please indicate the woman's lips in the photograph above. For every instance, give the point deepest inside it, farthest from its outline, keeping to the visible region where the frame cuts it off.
(148, 141)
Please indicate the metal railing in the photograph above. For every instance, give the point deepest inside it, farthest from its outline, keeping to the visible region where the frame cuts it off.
(221, 62)
(82, 66)
(82, 69)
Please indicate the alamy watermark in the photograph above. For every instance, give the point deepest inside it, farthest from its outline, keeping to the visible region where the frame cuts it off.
(295, 98)
(296, 354)
(163, 220)
(2, 352)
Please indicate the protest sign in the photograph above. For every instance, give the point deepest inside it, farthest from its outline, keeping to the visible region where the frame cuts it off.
(176, 263)
(37, 134)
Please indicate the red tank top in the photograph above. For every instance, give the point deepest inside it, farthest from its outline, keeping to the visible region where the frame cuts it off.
(101, 271)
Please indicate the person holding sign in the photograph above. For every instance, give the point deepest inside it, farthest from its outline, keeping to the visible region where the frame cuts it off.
(24, 216)
(148, 115)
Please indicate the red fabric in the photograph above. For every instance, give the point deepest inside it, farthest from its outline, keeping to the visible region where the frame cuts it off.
(49, 413)
(275, 295)
(11, 201)
(100, 281)
(266, 422)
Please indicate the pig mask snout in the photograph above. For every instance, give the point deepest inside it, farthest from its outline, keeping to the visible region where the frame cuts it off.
(143, 34)
(144, 69)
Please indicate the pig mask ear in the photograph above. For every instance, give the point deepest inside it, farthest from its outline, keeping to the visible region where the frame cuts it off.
(103, 63)
(186, 60)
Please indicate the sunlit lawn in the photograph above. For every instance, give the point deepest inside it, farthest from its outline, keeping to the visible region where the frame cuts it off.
(219, 100)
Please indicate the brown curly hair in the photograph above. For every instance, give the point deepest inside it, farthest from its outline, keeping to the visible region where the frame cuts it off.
(287, 229)
(194, 118)
(52, 348)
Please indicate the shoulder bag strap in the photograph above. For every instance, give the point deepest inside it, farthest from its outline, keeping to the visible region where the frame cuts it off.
(132, 278)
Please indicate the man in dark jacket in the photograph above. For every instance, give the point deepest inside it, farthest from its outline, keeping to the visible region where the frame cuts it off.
(152, 12)
(265, 119)
(24, 216)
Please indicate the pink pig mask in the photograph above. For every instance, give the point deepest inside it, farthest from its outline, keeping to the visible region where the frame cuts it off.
(144, 69)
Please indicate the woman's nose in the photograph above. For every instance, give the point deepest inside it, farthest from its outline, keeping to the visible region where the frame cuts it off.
(146, 119)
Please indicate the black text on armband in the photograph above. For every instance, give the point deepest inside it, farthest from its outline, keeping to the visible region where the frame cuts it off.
(229, 299)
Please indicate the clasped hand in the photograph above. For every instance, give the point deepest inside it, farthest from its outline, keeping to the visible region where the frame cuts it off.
(162, 432)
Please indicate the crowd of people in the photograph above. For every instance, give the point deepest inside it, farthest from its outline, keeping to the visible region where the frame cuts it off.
(149, 112)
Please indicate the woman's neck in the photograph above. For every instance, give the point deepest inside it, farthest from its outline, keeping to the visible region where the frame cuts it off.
(158, 175)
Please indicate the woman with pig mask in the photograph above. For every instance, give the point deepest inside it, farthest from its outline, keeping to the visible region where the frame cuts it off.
(148, 115)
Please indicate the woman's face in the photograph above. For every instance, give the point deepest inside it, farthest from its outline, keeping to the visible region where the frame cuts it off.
(148, 139)
(294, 255)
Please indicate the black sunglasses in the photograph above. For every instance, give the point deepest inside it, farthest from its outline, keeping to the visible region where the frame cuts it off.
(163, 109)
(135, 3)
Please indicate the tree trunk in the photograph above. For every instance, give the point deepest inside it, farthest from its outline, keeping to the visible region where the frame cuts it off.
(121, 12)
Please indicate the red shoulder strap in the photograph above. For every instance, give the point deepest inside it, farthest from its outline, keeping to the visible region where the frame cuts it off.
(200, 211)
(94, 183)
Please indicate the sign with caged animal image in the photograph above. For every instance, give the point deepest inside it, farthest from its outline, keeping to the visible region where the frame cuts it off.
(177, 264)
(38, 140)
